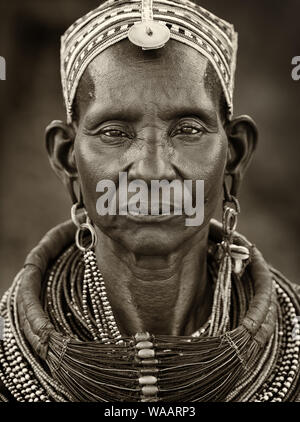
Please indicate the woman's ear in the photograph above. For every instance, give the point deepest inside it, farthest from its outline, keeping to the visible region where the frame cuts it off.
(242, 137)
(60, 146)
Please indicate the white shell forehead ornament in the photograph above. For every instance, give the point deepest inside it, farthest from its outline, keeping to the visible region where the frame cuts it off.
(149, 34)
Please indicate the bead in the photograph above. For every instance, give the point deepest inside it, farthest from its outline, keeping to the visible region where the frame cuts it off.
(239, 252)
(237, 266)
(147, 380)
(150, 362)
(287, 384)
(146, 353)
(278, 384)
(149, 371)
(149, 390)
(144, 345)
(139, 337)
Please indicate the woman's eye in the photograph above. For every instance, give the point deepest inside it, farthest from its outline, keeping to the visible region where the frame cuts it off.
(115, 133)
(188, 130)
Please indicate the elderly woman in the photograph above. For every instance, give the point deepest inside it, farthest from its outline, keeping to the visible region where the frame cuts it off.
(139, 306)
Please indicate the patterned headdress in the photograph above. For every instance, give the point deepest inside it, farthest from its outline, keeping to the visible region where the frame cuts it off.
(148, 24)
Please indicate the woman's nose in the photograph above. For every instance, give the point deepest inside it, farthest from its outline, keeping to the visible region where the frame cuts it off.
(153, 164)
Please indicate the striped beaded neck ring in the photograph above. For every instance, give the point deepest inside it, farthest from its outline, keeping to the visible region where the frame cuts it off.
(148, 24)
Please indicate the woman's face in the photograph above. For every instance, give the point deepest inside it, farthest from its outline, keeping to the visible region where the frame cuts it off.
(152, 117)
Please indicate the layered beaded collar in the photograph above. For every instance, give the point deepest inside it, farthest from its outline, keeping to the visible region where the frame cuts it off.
(45, 357)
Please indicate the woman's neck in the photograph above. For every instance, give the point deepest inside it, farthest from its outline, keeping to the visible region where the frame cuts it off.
(168, 295)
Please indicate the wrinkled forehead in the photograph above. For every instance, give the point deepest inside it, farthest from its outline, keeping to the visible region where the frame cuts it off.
(113, 21)
(128, 82)
(176, 61)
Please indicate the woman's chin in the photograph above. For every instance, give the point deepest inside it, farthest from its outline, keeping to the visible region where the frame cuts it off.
(149, 241)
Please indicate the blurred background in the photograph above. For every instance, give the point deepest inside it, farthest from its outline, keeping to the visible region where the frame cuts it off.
(32, 198)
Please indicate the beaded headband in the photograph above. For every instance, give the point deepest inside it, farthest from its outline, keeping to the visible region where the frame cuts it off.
(148, 24)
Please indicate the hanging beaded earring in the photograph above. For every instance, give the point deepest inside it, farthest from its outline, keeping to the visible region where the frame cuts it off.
(78, 212)
(82, 227)
(99, 316)
(232, 258)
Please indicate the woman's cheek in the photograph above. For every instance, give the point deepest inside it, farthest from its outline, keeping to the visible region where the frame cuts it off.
(89, 172)
(212, 171)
